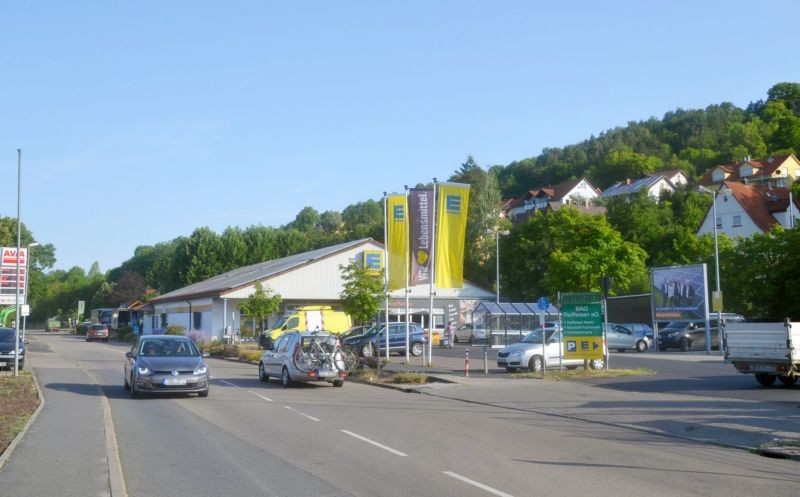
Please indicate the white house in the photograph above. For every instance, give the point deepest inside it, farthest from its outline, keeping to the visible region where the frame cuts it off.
(312, 278)
(579, 193)
(655, 185)
(743, 210)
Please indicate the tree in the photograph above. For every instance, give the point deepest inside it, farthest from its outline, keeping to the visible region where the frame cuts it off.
(362, 292)
(568, 250)
(260, 304)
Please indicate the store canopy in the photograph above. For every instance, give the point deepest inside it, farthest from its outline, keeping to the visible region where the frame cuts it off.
(512, 309)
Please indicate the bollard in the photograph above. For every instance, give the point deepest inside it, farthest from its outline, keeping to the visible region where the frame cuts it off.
(466, 362)
(485, 361)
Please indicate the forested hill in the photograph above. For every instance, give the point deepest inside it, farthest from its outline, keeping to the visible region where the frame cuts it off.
(691, 140)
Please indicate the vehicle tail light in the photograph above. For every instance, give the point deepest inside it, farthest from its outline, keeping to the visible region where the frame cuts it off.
(342, 374)
(312, 374)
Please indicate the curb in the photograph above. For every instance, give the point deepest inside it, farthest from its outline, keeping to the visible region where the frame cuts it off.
(6, 455)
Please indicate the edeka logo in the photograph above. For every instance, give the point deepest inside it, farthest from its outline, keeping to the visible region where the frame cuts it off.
(453, 204)
(373, 261)
(399, 213)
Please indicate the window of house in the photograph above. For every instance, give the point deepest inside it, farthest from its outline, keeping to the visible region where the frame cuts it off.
(737, 220)
(197, 320)
(719, 223)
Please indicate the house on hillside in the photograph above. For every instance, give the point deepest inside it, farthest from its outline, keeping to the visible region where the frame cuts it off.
(743, 210)
(772, 171)
(655, 185)
(578, 193)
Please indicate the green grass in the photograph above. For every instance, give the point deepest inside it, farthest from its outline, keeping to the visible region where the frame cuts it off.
(410, 378)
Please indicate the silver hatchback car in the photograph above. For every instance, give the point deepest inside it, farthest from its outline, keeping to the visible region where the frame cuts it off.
(527, 354)
(301, 356)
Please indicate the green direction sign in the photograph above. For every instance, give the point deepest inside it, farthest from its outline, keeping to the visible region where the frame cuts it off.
(582, 314)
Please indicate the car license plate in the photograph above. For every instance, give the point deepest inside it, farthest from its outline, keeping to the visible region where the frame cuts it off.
(174, 381)
(769, 369)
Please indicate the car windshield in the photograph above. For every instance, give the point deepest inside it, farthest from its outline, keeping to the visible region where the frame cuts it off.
(536, 336)
(7, 335)
(156, 347)
(280, 323)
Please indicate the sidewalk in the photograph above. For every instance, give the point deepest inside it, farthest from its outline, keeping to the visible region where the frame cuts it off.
(728, 422)
(63, 452)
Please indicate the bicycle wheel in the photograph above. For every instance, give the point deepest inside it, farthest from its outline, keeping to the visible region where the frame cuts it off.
(350, 359)
(306, 361)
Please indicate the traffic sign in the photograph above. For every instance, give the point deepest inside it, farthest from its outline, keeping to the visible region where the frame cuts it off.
(543, 303)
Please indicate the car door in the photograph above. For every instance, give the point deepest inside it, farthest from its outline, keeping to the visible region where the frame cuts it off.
(273, 362)
(612, 337)
(697, 335)
(397, 337)
(553, 348)
(625, 337)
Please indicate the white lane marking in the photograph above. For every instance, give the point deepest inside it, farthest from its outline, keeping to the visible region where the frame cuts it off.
(260, 396)
(229, 383)
(312, 418)
(477, 484)
(376, 444)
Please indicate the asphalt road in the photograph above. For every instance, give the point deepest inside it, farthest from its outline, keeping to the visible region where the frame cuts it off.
(248, 438)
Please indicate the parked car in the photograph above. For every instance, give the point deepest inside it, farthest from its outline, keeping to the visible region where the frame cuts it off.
(470, 333)
(622, 338)
(166, 364)
(640, 329)
(7, 349)
(692, 335)
(527, 354)
(375, 339)
(285, 359)
(97, 332)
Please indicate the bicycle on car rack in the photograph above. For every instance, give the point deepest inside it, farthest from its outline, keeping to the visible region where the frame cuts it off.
(323, 352)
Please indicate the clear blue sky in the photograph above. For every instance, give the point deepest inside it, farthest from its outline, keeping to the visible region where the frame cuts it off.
(141, 121)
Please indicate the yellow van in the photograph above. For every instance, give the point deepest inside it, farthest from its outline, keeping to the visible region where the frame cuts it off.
(309, 318)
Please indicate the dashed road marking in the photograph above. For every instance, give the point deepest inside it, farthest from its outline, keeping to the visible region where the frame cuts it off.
(312, 418)
(477, 484)
(260, 396)
(376, 444)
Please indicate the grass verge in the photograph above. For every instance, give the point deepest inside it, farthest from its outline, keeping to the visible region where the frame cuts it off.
(18, 400)
(589, 373)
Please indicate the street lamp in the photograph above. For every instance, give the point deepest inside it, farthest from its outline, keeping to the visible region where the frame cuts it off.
(497, 233)
(718, 293)
(27, 283)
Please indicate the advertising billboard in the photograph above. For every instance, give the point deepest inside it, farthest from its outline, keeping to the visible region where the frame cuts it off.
(679, 293)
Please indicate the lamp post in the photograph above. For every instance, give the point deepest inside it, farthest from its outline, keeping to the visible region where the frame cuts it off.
(27, 283)
(718, 293)
(497, 233)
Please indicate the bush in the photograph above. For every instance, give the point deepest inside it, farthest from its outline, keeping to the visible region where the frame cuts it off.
(175, 329)
(250, 355)
(197, 337)
(125, 333)
(220, 349)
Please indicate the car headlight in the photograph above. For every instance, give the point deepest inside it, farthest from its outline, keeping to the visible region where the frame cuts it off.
(200, 370)
(11, 352)
(144, 371)
(515, 353)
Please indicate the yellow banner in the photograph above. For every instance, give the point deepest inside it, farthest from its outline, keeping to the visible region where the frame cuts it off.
(397, 245)
(451, 211)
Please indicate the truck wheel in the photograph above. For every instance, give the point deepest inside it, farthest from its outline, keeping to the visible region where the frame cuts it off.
(765, 379)
(788, 380)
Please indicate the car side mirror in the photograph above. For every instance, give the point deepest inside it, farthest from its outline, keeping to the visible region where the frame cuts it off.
(129, 355)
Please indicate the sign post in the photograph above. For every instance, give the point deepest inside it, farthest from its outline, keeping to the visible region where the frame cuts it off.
(543, 304)
(582, 321)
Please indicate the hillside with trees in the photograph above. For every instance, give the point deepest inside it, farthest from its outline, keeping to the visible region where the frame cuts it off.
(568, 251)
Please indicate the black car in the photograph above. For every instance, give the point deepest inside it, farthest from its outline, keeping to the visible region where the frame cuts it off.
(692, 335)
(7, 352)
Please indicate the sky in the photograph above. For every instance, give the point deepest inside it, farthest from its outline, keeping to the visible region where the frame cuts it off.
(142, 121)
